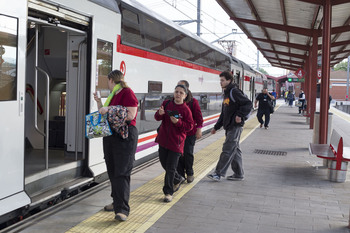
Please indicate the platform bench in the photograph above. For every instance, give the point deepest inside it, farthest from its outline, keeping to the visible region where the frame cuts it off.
(336, 155)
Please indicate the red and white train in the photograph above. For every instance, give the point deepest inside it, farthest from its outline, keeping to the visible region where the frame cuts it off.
(55, 54)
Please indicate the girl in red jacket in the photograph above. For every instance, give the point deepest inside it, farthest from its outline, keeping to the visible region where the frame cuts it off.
(176, 120)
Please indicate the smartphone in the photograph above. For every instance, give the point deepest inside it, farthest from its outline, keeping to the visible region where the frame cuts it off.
(174, 113)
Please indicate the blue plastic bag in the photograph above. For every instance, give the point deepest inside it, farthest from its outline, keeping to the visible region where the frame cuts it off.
(96, 126)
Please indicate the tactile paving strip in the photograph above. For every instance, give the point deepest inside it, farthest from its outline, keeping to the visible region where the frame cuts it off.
(146, 202)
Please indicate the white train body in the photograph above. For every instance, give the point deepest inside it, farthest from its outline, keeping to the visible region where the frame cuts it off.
(74, 44)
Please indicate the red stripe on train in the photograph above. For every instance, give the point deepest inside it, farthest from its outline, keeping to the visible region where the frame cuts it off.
(121, 48)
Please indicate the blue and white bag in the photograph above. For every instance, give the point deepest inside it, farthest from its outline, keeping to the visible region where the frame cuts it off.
(96, 125)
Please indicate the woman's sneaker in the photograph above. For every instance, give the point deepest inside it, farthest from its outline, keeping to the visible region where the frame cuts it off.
(168, 198)
(236, 178)
(121, 217)
(214, 177)
(176, 187)
(109, 208)
(190, 179)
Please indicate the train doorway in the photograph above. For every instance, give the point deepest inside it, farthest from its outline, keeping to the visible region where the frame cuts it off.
(56, 81)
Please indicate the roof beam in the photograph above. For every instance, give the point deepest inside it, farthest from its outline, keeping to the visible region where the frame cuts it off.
(286, 60)
(281, 27)
(340, 51)
(337, 2)
(257, 16)
(284, 17)
(340, 29)
(231, 14)
(292, 45)
(335, 38)
(285, 66)
(335, 44)
(303, 57)
(317, 2)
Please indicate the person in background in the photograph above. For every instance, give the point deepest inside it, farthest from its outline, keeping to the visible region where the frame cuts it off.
(302, 101)
(235, 107)
(119, 153)
(264, 108)
(290, 98)
(176, 120)
(185, 165)
(330, 100)
(274, 94)
(286, 97)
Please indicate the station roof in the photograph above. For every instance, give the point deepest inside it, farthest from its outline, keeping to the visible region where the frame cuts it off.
(282, 30)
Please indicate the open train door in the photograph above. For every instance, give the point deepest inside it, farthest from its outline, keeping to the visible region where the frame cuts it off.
(13, 20)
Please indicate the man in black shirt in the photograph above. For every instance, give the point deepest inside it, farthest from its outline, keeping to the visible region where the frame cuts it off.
(264, 99)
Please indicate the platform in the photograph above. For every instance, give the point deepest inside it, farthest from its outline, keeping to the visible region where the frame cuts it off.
(285, 189)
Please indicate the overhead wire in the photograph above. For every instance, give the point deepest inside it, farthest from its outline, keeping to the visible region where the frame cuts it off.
(211, 18)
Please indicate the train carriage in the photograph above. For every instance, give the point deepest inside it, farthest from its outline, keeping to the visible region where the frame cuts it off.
(54, 55)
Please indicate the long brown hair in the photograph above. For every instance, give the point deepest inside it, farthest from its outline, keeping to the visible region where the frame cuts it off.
(189, 96)
(117, 77)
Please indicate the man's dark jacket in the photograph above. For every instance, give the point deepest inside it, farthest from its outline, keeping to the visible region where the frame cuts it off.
(240, 106)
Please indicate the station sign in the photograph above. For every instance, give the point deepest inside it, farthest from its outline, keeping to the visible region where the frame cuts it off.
(296, 80)
(300, 73)
(319, 73)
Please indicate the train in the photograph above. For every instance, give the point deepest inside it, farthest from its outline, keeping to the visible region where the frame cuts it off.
(54, 54)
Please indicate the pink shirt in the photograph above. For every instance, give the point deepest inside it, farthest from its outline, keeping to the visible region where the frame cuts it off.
(126, 97)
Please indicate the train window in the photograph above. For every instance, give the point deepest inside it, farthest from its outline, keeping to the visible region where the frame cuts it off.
(210, 57)
(153, 34)
(171, 39)
(199, 51)
(130, 28)
(8, 58)
(155, 87)
(185, 46)
(104, 66)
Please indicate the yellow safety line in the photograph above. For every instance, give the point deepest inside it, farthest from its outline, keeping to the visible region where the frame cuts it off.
(146, 202)
(341, 114)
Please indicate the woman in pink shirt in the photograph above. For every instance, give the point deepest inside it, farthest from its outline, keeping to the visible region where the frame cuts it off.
(119, 153)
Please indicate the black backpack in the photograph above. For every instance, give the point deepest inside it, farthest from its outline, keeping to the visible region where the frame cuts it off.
(246, 117)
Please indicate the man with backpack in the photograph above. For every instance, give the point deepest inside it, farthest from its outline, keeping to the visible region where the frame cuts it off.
(235, 108)
(265, 107)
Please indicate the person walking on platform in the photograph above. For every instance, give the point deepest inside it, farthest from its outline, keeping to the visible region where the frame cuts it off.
(274, 94)
(264, 108)
(185, 165)
(176, 120)
(119, 153)
(286, 97)
(235, 107)
(302, 101)
(290, 98)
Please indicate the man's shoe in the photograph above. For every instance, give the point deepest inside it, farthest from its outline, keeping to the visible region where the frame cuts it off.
(236, 178)
(109, 208)
(266, 127)
(120, 217)
(176, 187)
(261, 125)
(168, 198)
(214, 177)
(190, 179)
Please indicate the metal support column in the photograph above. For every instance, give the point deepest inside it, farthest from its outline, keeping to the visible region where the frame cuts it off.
(198, 17)
(326, 43)
(304, 85)
(313, 82)
(308, 81)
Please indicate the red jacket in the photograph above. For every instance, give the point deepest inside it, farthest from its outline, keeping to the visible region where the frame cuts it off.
(197, 116)
(172, 136)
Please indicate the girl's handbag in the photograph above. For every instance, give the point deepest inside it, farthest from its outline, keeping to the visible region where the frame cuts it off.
(96, 125)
